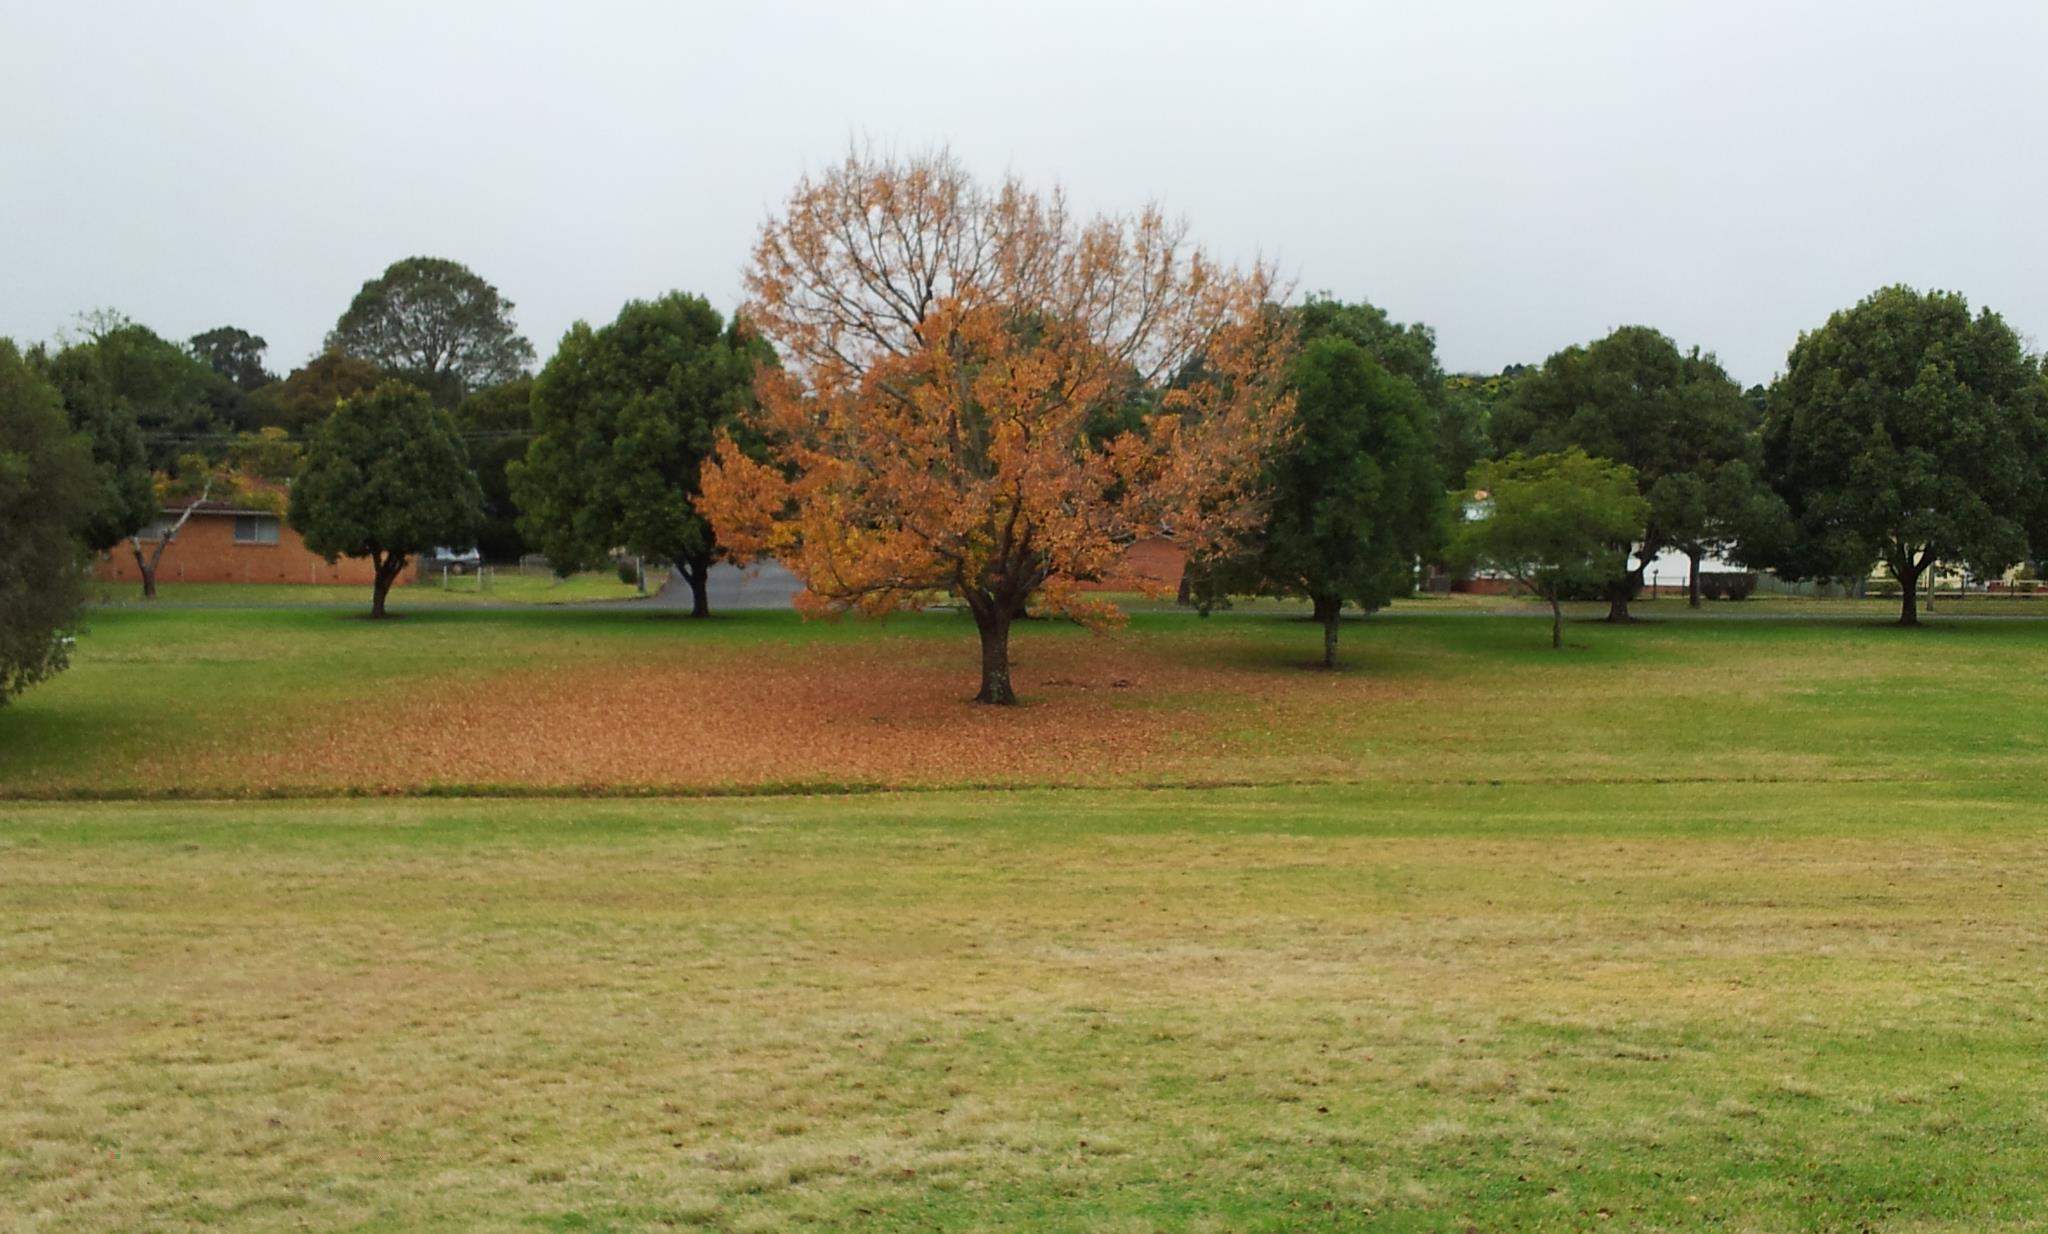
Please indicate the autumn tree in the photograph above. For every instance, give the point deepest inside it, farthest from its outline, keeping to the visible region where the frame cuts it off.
(1549, 522)
(47, 492)
(438, 325)
(1633, 397)
(309, 395)
(947, 348)
(624, 416)
(1907, 431)
(385, 477)
(1354, 496)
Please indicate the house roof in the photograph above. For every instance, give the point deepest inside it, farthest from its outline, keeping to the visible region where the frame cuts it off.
(212, 507)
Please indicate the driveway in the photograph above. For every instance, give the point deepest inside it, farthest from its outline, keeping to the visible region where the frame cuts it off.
(767, 585)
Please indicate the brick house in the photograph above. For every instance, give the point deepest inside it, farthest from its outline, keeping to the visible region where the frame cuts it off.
(224, 542)
(1155, 561)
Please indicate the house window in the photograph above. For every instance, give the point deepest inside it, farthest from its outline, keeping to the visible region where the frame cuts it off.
(255, 529)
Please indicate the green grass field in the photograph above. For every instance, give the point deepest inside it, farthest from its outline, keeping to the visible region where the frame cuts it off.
(506, 585)
(1702, 924)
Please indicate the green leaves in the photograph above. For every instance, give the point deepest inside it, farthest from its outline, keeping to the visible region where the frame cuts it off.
(1907, 431)
(47, 495)
(1550, 521)
(438, 325)
(386, 474)
(624, 416)
(1673, 417)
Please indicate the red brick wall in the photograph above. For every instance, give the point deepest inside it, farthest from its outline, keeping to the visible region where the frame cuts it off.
(206, 552)
(1155, 561)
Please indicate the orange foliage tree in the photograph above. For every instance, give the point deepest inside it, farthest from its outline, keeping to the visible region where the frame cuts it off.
(985, 397)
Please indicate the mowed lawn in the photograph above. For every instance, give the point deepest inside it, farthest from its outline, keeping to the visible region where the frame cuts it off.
(1699, 925)
(232, 702)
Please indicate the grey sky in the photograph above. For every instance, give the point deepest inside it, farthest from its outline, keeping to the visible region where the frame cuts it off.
(1520, 176)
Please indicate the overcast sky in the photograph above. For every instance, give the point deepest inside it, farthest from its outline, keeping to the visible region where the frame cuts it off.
(1519, 175)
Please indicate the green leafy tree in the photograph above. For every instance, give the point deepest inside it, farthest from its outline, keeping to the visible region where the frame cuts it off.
(309, 395)
(1550, 522)
(1408, 350)
(1906, 431)
(1725, 511)
(122, 499)
(624, 416)
(235, 354)
(497, 426)
(48, 491)
(436, 324)
(1354, 496)
(123, 372)
(386, 477)
(1635, 398)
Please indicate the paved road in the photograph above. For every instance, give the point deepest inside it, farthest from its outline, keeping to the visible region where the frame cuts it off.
(764, 586)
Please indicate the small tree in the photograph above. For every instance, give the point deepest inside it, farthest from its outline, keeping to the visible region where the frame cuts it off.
(252, 474)
(47, 492)
(1725, 511)
(1550, 522)
(625, 415)
(194, 481)
(951, 349)
(386, 477)
(436, 324)
(1354, 496)
(1633, 397)
(1907, 431)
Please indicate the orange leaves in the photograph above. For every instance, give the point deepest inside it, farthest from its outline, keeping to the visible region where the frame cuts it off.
(742, 498)
(985, 396)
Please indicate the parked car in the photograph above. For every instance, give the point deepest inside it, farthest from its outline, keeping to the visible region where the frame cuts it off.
(457, 561)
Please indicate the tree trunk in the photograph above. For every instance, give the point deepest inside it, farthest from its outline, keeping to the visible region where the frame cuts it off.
(1556, 622)
(1622, 588)
(1692, 594)
(992, 618)
(1329, 610)
(697, 573)
(146, 568)
(1909, 593)
(387, 567)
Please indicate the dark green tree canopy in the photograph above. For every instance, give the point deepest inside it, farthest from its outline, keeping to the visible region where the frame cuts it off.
(235, 354)
(142, 403)
(625, 415)
(1355, 497)
(386, 477)
(436, 324)
(1407, 351)
(48, 490)
(301, 401)
(178, 404)
(1906, 431)
(1550, 522)
(497, 425)
(1634, 398)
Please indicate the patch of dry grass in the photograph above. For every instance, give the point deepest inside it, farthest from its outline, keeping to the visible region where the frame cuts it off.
(1402, 1008)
